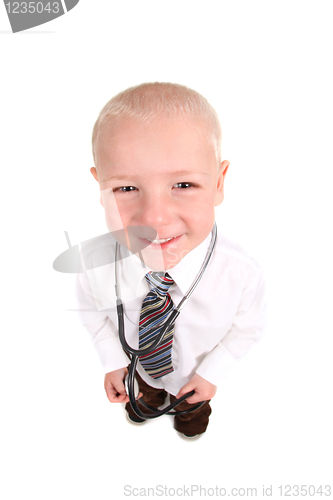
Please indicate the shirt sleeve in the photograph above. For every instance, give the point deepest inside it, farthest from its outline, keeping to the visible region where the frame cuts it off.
(246, 330)
(103, 332)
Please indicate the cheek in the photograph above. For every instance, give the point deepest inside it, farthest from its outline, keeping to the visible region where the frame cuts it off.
(112, 216)
(201, 214)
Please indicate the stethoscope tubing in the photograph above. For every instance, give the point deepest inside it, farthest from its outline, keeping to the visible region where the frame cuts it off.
(136, 353)
(156, 413)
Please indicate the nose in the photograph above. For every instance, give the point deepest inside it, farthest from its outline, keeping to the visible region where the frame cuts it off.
(155, 210)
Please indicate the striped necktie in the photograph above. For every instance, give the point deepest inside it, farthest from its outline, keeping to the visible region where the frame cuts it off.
(156, 307)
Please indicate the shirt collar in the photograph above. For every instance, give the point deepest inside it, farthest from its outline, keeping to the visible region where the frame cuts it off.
(187, 269)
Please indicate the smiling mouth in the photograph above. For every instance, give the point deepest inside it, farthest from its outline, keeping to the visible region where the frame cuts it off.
(161, 241)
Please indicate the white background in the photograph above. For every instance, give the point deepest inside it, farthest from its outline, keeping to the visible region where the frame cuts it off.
(267, 69)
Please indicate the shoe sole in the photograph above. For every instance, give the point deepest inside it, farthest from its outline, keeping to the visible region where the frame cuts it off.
(132, 421)
(189, 438)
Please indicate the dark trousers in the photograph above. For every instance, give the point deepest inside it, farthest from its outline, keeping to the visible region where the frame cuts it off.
(190, 424)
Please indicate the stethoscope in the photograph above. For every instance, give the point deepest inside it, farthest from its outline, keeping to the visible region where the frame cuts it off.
(131, 384)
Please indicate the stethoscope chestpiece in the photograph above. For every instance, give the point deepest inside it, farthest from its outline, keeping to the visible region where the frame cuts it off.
(136, 386)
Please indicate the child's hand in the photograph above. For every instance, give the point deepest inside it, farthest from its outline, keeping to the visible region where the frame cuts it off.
(203, 389)
(115, 388)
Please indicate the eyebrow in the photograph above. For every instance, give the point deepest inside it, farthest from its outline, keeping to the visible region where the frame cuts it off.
(115, 177)
(178, 172)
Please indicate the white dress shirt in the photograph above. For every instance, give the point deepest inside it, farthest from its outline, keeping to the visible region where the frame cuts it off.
(223, 319)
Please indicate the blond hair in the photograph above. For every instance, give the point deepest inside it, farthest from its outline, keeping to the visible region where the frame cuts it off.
(149, 100)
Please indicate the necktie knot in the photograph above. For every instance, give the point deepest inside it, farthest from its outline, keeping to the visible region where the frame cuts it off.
(159, 281)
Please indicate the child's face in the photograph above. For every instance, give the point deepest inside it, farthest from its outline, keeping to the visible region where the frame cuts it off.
(163, 175)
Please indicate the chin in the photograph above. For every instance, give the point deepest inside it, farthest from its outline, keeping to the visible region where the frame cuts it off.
(157, 262)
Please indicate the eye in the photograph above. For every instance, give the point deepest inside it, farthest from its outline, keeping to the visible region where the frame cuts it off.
(183, 185)
(125, 189)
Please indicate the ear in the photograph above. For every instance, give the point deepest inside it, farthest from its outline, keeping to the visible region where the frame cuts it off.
(94, 172)
(219, 194)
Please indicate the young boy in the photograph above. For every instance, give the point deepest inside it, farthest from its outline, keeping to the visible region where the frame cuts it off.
(157, 153)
